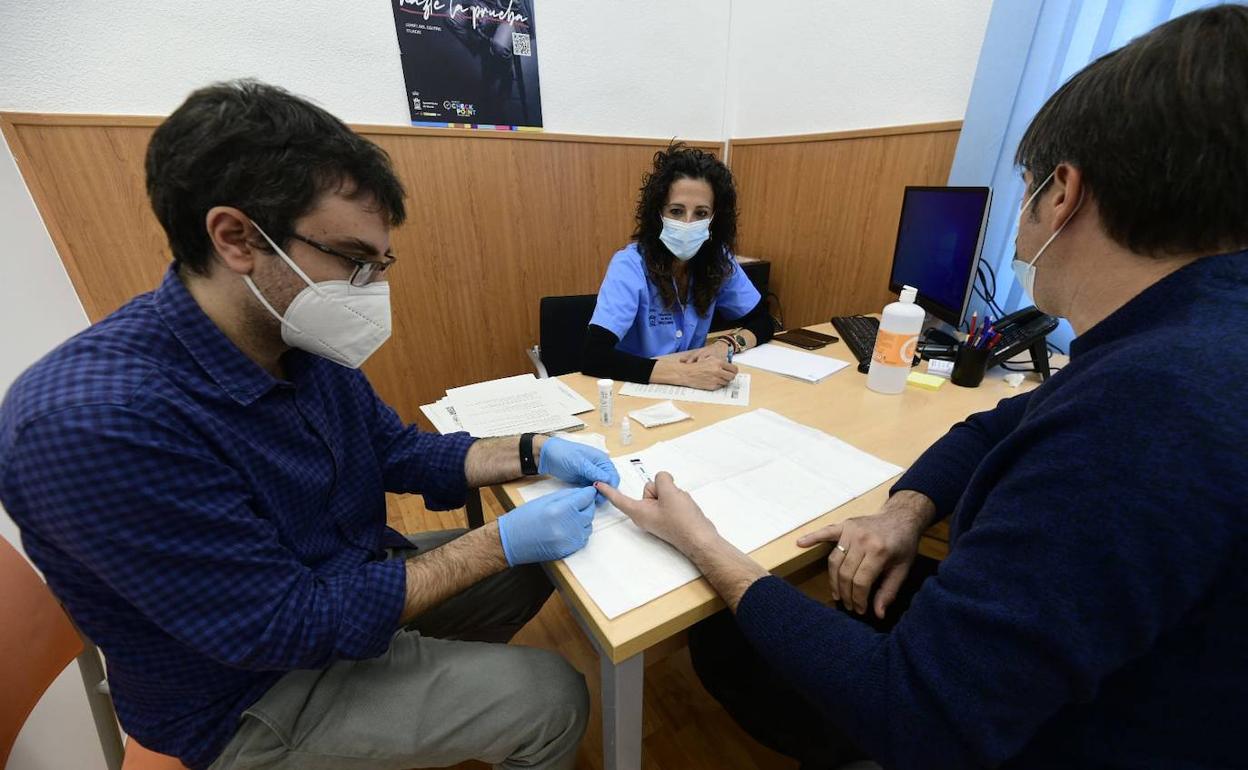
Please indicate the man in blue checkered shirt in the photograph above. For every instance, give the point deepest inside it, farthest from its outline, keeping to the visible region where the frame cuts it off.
(201, 477)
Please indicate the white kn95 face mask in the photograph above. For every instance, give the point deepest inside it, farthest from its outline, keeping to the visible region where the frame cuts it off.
(332, 319)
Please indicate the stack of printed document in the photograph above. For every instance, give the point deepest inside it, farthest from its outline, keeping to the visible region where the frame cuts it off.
(756, 476)
(508, 406)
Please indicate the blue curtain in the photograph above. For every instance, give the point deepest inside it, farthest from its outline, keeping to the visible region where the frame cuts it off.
(1030, 48)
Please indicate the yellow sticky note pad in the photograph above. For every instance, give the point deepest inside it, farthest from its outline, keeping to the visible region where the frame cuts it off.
(925, 381)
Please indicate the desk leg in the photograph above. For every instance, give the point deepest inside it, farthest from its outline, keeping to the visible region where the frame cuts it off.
(476, 517)
(622, 685)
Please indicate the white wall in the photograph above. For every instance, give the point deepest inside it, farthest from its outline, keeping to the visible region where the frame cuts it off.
(811, 66)
(635, 68)
(699, 69)
(38, 309)
(653, 68)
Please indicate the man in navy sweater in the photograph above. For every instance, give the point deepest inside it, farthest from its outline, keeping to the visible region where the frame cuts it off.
(1092, 609)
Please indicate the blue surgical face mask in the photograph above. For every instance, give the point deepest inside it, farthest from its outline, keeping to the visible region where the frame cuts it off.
(1025, 272)
(684, 239)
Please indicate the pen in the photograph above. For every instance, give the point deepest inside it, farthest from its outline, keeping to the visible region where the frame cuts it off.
(971, 333)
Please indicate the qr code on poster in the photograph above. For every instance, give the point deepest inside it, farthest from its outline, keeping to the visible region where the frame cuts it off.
(520, 44)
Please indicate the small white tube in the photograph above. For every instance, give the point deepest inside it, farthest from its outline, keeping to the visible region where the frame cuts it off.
(605, 405)
(626, 431)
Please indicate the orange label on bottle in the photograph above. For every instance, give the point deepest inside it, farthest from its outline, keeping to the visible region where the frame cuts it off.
(893, 349)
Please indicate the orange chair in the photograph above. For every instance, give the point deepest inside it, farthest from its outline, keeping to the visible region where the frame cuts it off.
(37, 642)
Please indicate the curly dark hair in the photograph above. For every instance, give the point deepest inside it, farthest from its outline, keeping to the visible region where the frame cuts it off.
(260, 148)
(711, 266)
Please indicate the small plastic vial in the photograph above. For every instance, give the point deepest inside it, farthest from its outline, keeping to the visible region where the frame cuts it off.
(605, 406)
(626, 431)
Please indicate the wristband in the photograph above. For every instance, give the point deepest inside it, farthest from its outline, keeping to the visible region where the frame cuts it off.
(528, 465)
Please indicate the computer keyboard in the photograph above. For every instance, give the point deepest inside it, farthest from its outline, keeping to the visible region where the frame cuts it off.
(858, 332)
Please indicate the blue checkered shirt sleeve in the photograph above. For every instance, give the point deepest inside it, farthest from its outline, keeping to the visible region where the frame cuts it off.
(170, 528)
(414, 460)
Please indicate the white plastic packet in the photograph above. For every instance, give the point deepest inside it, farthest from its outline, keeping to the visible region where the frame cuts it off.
(662, 413)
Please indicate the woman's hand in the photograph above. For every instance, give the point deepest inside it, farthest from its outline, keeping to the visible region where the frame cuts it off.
(707, 373)
(710, 373)
(713, 349)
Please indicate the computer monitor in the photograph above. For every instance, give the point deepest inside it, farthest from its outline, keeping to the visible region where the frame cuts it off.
(938, 241)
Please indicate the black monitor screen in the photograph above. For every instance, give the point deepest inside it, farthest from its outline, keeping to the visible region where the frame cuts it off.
(938, 243)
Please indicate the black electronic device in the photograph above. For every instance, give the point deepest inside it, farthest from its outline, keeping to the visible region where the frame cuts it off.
(1025, 329)
(939, 237)
(805, 339)
(859, 333)
(1022, 330)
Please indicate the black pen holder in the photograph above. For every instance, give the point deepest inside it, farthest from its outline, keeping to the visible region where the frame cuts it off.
(969, 366)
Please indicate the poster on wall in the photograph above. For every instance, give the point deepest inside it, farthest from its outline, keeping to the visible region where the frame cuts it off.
(470, 64)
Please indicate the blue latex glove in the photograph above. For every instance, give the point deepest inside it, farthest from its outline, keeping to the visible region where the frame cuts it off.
(549, 527)
(576, 463)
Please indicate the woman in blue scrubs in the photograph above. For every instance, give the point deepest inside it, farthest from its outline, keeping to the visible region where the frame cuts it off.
(656, 303)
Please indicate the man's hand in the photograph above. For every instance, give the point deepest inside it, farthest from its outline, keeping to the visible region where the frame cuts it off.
(549, 527)
(667, 512)
(880, 547)
(576, 463)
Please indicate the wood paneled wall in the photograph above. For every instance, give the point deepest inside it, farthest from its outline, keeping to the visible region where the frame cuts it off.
(496, 221)
(824, 209)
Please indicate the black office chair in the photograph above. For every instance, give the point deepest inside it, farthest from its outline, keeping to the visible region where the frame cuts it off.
(561, 333)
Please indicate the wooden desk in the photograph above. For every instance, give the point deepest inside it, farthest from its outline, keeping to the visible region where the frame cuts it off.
(897, 428)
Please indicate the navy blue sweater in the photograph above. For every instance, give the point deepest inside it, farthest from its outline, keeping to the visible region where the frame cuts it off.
(1093, 610)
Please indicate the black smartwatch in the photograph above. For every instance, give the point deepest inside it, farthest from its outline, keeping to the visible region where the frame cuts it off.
(528, 464)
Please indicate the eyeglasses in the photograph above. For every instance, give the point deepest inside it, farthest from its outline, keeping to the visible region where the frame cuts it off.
(366, 270)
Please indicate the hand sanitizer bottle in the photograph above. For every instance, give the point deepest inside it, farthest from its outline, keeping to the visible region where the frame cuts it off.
(896, 343)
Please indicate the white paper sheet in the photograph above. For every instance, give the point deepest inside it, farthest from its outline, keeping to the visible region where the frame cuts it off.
(756, 476)
(784, 360)
(573, 401)
(556, 397)
(511, 405)
(442, 415)
(735, 393)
